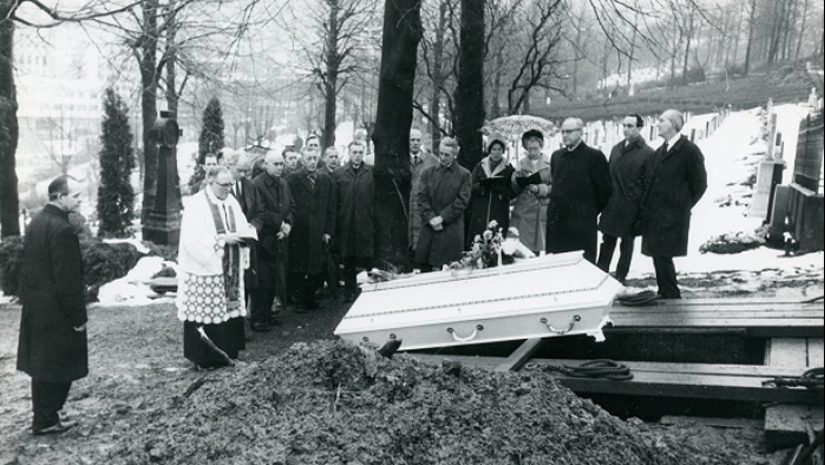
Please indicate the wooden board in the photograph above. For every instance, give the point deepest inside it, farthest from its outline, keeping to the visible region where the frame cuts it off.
(521, 355)
(706, 381)
(816, 352)
(760, 317)
(787, 425)
(787, 352)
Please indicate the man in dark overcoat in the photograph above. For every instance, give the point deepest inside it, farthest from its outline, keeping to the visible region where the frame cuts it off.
(444, 195)
(581, 187)
(278, 209)
(419, 161)
(249, 199)
(627, 162)
(675, 180)
(355, 217)
(312, 230)
(53, 346)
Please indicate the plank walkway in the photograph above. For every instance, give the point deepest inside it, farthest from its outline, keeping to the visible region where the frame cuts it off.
(757, 317)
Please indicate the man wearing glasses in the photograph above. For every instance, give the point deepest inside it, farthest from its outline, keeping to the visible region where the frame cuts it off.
(52, 347)
(627, 162)
(581, 187)
(213, 253)
(278, 209)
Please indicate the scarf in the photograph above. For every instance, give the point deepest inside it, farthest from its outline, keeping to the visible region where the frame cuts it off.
(231, 256)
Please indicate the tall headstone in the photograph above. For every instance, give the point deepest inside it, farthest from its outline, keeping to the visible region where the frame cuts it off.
(163, 221)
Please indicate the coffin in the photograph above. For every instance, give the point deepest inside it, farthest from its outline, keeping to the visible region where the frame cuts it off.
(553, 295)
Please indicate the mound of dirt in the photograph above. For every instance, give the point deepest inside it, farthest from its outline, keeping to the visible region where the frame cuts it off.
(332, 402)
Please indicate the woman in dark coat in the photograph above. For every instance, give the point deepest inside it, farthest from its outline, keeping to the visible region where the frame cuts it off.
(492, 192)
(675, 179)
(53, 348)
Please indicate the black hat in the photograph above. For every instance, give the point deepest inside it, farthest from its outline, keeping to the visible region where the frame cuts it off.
(531, 134)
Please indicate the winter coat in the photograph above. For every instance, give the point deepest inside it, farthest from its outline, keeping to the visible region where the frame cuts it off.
(491, 199)
(251, 205)
(314, 217)
(52, 294)
(530, 210)
(627, 163)
(445, 192)
(355, 215)
(278, 207)
(674, 182)
(414, 223)
(581, 188)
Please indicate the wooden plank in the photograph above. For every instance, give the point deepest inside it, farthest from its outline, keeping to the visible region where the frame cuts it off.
(730, 382)
(787, 425)
(730, 423)
(787, 352)
(520, 356)
(816, 352)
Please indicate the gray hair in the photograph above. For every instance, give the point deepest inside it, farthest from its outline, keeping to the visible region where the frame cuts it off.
(675, 117)
(213, 172)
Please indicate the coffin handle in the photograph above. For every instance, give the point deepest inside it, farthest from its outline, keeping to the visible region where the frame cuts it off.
(554, 330)
(468, 338)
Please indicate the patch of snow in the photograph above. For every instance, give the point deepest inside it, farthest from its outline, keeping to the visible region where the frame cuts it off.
(133, 289)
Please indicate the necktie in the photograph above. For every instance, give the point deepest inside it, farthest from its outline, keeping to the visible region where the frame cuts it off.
(311, 179)
(416, 160)
(238, 190)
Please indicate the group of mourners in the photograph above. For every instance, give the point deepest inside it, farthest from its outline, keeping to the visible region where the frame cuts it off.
(269, 235)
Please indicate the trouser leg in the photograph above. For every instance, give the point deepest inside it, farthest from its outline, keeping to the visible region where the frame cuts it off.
(264, 294)
(625, 256)
(666, 277)
(606, 252)
(590, 249)
(281, 286)
(47, 399)
(352, 265)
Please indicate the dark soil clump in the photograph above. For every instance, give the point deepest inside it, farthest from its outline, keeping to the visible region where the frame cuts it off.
(331, 402)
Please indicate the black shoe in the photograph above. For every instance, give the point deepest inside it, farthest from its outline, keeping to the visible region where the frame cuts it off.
(311, 305)
(57, 428)
(260, 326)
(275, 321)
(670, 296)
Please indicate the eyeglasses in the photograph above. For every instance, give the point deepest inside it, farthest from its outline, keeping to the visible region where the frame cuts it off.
(278, 163)
(225, 185)
(629, 125)
(568, 131)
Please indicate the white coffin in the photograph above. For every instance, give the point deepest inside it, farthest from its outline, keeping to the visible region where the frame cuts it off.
(553, 295)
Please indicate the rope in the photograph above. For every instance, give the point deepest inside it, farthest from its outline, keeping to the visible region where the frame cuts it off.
(596, 369)
(811, 379)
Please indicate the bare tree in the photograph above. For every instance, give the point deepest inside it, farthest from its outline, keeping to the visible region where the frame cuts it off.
(401, 35)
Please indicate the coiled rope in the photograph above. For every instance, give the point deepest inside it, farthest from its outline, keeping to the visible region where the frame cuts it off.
(596, 369)
(811, 379)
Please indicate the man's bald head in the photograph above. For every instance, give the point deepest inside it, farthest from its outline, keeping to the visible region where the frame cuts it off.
(274, 163)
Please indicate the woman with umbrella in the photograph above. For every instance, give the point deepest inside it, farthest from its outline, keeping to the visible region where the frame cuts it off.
(531, 184)
(492, 191)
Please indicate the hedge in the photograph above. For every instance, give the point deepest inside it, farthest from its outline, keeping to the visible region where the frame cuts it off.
(102, 262)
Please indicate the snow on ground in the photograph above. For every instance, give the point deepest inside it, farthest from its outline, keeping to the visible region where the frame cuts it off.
(730, 158)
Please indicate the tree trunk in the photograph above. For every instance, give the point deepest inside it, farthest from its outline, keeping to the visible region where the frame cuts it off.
(401, 34)
(495, 109)
(751, 24)
(687, 48)
(438, 77)
(149, 82)
(470, 90)
(171, 60)
(331, 61)
(9, 129)
(801, 31)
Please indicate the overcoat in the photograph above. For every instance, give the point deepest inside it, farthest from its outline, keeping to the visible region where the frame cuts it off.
(314, 217)
(674, 182)
(416, 170)
(355, 213)
(581, 187)
(278, 207)
(627, 163)
(52, 294)
(445, 191)
(491, 197)
(530, 210)
(250, 202)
